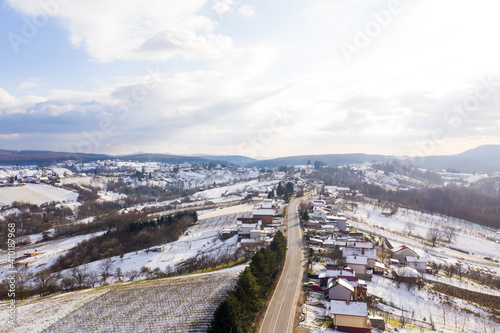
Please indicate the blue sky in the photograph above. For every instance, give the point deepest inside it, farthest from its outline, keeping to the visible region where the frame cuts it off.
(250, 77)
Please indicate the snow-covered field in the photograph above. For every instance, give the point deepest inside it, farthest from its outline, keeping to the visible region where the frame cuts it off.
(226, 211)
(37, 314)
(202, 238)
(48, 253)
(469, 238)
(36, 194)
(168, 305)
(447, 314)
(225, 190)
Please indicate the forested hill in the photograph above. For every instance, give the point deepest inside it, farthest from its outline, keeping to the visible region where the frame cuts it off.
(459, 202)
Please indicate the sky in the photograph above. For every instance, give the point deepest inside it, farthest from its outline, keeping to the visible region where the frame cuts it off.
(260, 78)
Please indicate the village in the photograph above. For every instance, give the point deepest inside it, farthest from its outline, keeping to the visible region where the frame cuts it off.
(348, 266)
(366, 270)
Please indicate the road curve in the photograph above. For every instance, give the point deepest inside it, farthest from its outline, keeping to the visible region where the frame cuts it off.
(280, 314)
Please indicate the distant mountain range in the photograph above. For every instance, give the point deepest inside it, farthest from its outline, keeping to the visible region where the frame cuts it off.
(481, 159)
(328, 159)
(39, 157)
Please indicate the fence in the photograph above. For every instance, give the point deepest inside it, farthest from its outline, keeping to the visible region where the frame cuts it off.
(402, 319)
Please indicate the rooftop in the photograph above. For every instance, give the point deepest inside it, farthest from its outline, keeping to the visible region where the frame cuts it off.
(359, 309)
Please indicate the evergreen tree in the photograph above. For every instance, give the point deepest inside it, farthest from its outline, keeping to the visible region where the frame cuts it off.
(280, 191)
(289, 188)
(226, 317)
(279, 246)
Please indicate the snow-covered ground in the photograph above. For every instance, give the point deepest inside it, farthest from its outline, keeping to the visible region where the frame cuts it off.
(447, 314)
(36, 194)
(47, 253)
(202, 238)
(167, 305)
(469, 238)
(110, 196)
(226, 211)
(225, 190)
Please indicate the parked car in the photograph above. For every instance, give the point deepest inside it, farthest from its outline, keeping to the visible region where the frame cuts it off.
(317, 287)
(308, 284)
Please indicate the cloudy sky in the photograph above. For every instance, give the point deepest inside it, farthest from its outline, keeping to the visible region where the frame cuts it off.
(261, 78)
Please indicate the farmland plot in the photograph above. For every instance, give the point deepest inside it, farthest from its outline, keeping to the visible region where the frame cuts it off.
(170, 305)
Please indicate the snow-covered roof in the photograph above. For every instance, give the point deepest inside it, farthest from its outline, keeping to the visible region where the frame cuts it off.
(263, 211)
(358, 309)
(407, 272)
(356, 260)
(358, 243)
(344, 284)
(359, 251)
(332, 272)
(401, 248)
(417, 259)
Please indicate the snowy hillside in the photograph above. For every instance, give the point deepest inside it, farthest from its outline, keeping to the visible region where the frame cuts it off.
(36, 194)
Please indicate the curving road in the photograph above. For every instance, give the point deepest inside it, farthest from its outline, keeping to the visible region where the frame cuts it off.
(280, 314)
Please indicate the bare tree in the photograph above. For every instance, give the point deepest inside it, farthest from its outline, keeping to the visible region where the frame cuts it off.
(93, 278)
(68, 283)
(409, 227)
(433, 234)
(119, 274)
(45, 282)
(22, 284)
(450, 234)
(132, 275)
(105, 267)
(80, 275)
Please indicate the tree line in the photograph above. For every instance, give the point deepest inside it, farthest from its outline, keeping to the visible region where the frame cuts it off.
(130, 237)
(466, 203)
(237, 312)
(459, 202)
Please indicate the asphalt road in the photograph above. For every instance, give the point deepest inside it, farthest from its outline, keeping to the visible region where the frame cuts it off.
(280, 314)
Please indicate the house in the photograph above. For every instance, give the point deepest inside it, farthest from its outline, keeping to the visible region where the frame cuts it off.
(339, 221)
(319, 203)
(358, 264)
(330, 229)
(316, 241)
(419, 263)
(401, 252)
(340, 290)
(336, 271)
(358, 243)
(320, 213)
(379, 268)
(264, 211)
(370, 253)
(30, 254)
(407, 274)
(350, 316)
(249, 228)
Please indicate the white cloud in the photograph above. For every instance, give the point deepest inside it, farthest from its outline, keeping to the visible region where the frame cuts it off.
(395, 91)
(108, 30)
(246, 10)
(222, 6)
(31, 82)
